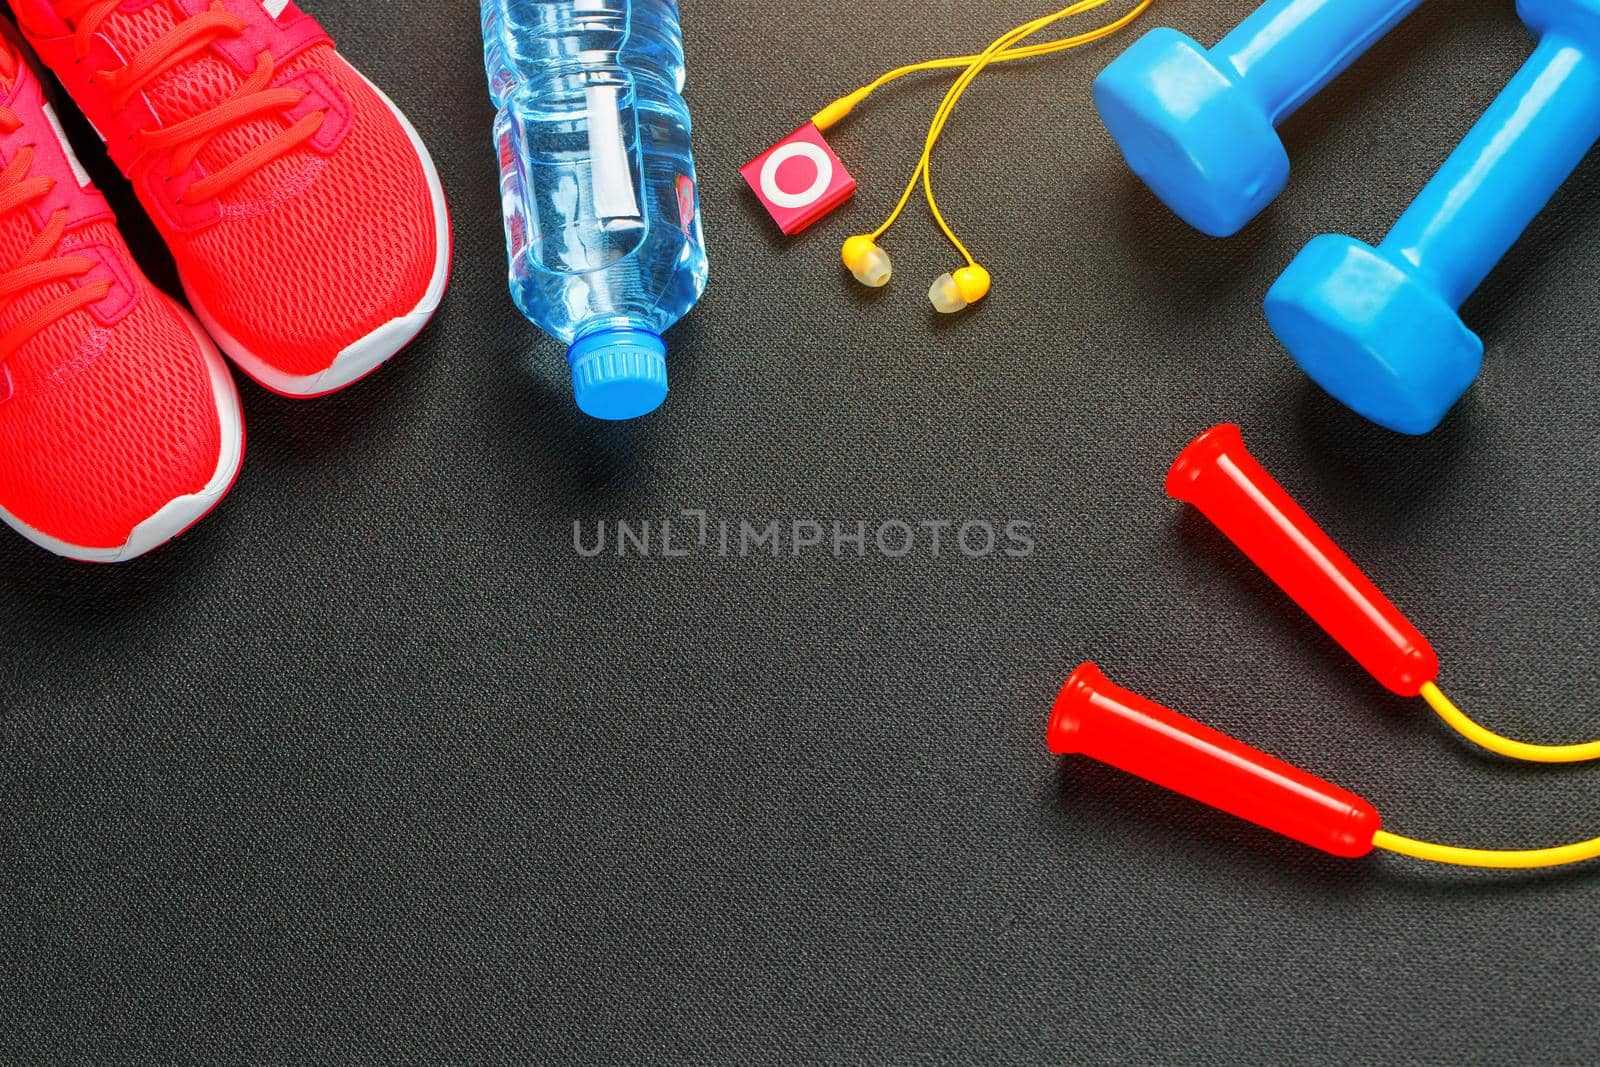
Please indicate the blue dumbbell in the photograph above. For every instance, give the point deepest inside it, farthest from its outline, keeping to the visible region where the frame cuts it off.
(1380, 328)
(1200, 127)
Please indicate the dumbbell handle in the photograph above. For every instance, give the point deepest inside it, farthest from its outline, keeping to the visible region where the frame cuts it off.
(1287, 50)
(1506, 170)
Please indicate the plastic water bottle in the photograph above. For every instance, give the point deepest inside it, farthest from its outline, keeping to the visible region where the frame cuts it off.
(601, 207)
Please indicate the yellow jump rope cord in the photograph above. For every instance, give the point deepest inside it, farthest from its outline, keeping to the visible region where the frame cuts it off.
(1458, 721)
(1001, 51)
(1525, 859)
(1479, 857)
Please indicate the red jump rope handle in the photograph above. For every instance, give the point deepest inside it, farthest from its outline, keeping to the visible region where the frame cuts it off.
(1095, 718)
(1218, 475)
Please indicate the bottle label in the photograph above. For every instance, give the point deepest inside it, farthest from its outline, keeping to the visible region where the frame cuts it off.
(688, 204)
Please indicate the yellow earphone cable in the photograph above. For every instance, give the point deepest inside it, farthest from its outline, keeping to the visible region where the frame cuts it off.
(862, 254)
(1526, 859)
(1000, 51)
(1458, 721)
(987, 57)
(953, 97)
(999, 45)
(837, 111)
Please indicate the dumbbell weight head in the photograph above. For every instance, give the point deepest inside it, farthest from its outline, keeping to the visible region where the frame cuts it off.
(1192, 132)
(1374, 334)
(1579, 17)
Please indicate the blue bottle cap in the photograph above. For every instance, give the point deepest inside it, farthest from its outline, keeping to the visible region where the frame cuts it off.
(619, 374)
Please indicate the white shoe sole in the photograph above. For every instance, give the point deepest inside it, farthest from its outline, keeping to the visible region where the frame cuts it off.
(177, 515)
(377, 348)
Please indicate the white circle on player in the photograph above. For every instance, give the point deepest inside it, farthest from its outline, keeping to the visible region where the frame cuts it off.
(796, 150)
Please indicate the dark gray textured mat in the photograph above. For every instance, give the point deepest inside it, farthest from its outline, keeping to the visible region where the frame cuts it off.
(373, 767)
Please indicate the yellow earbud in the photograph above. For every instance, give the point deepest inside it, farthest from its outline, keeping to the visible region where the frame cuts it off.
(959, 290)
(868, 262)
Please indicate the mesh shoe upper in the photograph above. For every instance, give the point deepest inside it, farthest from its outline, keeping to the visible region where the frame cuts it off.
(317, 247)
(107, 425)
(111, 411)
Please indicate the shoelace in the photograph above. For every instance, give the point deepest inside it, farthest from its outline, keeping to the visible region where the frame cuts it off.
(39, 265)
(188, 138)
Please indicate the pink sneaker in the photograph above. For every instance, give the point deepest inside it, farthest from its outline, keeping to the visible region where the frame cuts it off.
(306, 217)
(119, 422)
